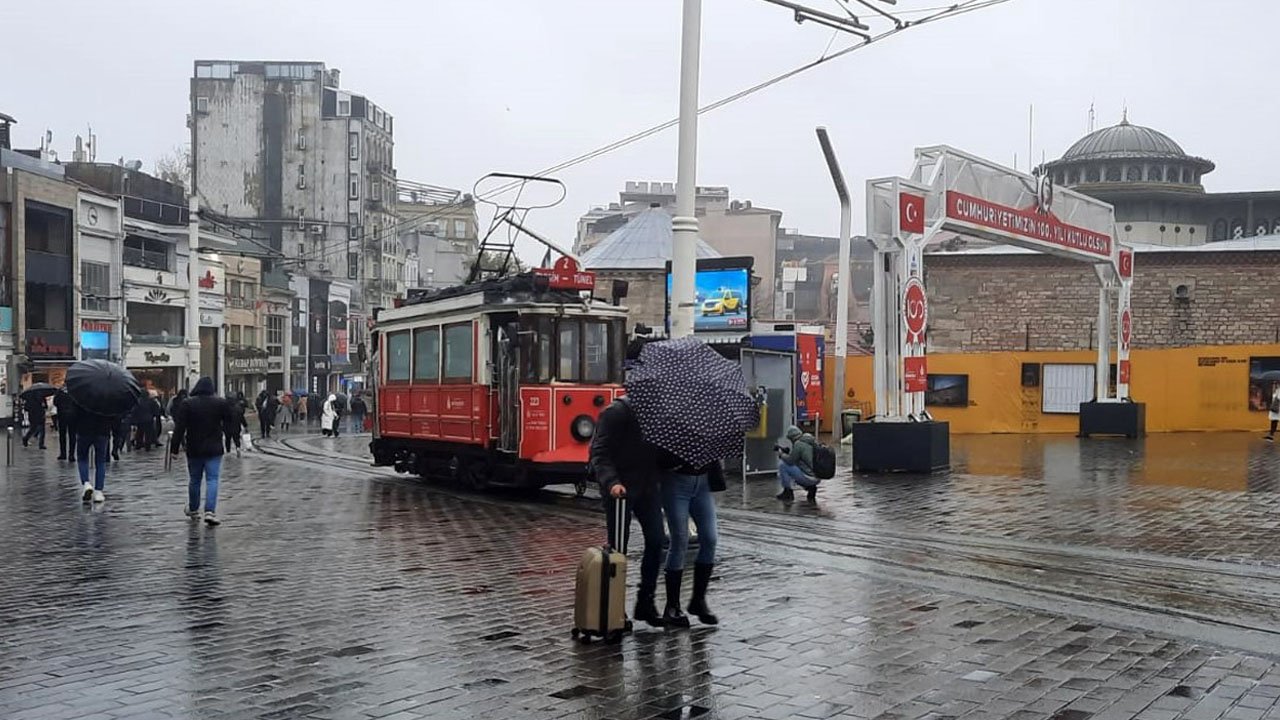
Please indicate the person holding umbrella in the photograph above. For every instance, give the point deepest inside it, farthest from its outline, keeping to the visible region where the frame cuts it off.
(201, 422)
(34, 402)
(692, 404)
(67, 417)
(1273, 410)
(105, 393)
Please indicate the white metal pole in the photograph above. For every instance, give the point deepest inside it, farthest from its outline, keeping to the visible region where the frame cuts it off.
(684, 226)
(1102, 374)
(193, 290)
(842, 283)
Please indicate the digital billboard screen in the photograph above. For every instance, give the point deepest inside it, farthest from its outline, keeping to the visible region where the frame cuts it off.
(722, 297)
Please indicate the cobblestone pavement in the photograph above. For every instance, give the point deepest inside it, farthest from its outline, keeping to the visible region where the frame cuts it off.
(329, 593)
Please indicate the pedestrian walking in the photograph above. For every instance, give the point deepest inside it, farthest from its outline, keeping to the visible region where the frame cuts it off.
(104, 393)
(146, 423)
(284, 415)
(1273, 412)
(795, 465)
(201, 422)
(358, 410)
(93, 435)
(314, 408)
(121, 430)
(238, 422)
(625, 466)
(67, 417)
(693, 405)
(300, 410)
(329, 416)
(175, 403)
(36, 408)
(267, 414)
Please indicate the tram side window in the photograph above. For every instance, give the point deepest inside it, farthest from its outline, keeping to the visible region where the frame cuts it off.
(595, 350)
(570, 351)
(426, 355)
(536, 355)
(398, 356)
(457, 353)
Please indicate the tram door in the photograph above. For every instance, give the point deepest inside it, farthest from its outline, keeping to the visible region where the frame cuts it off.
(506, 374)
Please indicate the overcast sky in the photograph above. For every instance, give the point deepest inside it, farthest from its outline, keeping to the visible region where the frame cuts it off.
(512, 85)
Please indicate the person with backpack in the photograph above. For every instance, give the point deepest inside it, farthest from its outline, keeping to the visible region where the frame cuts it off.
(200, 423)
(796, 465)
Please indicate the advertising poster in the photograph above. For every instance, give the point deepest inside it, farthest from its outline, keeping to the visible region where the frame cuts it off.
(1260, 369)
(809, 349)
(722, 297)
(339, 299)
(948, 391)
(318, 320)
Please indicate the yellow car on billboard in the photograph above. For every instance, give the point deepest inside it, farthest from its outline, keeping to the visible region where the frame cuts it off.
(723, 302)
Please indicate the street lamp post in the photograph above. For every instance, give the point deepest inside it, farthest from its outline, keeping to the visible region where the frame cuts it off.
(684, 226)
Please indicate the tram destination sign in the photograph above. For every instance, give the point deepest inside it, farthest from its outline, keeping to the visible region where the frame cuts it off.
(1028, 223)
(566, 275)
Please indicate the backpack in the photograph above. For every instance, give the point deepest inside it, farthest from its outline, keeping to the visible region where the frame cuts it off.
(824, 462)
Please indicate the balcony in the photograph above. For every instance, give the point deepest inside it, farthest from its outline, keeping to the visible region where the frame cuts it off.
(149, 259)
(240, 303)
(169, 340)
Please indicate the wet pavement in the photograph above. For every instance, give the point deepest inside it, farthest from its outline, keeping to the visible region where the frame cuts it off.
(338, 591)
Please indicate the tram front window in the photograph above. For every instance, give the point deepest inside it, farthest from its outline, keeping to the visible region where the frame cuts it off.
(536, 349)
(595, 346)
(570, 346)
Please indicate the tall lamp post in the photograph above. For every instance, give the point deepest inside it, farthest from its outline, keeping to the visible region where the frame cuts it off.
(684, 226)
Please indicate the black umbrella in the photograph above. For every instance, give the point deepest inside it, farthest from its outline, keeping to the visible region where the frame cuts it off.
(691, 401)
(1268, 376)
(103, 388)
(39, 391)
(339, 402)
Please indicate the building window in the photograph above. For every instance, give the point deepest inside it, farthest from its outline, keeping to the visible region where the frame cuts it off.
(235, 335)
(146, 253)
(1154, 174)
(354, 190)
(1093, 174)
(459, 228)
(1113, 173)
(1134, 174)
(344, 107)
(1237, 228)
(275, 335)
(353, 266)
(457, 353)
(302, 140)
(353, 226)
(95, 286)
(202, 104)
(353, 146)
(302, 177)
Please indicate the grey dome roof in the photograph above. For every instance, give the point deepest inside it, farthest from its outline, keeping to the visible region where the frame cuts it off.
(644, 243)
(1124, 141)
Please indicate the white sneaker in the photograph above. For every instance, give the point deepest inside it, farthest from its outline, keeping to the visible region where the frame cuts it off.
(193, 514)
(211, 519)
(98, 496)
(86, 492)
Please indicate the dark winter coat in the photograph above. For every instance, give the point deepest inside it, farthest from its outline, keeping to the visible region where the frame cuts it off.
(146, 411)
(358, 406)
(269, 409)
(68, 411)
(35, 408)
(201, 422)
(621, 455)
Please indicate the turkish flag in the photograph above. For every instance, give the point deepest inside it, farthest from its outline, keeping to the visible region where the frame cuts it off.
(911, 213)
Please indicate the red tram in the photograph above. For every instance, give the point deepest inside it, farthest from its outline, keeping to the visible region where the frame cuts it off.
(497, 383)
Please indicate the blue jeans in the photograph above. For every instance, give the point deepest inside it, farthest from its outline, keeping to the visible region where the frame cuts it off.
(685, 497)
(101, 445)
(647, 509)
(211, 469)
(792, 475)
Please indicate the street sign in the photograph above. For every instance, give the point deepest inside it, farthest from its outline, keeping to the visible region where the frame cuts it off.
(915, 374)
(566, 275)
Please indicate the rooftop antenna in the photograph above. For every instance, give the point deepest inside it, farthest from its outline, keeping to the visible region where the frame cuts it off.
(1031, 123)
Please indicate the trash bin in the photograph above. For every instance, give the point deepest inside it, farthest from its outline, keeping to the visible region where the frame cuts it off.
(847, 420)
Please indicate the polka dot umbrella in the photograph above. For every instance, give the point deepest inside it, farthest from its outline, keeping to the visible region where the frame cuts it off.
(691, 401)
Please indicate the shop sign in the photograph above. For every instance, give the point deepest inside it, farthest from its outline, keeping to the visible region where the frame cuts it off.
(157, 358)
(49, 343)
(96, 325)
(320, 365)
(243, 365)
(275, 365)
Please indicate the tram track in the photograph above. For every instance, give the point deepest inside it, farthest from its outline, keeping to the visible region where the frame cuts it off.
(1216, 603)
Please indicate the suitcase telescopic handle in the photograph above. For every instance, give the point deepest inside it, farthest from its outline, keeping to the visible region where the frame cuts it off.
(619, 539)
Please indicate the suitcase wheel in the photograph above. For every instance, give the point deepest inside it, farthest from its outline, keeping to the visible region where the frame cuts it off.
(628, 627)
(574, 633)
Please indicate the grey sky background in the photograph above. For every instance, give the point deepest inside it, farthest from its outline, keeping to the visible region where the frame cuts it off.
(511, 85)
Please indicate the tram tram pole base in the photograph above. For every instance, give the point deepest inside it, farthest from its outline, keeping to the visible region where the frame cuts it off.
(911, 447)
(1113, 418)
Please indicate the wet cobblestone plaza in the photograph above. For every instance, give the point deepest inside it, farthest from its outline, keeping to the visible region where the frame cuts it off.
(1042, 578)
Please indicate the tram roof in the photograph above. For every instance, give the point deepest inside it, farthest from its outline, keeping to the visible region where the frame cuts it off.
(516, 291)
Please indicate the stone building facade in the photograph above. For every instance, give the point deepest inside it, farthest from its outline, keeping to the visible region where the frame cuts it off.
(1003, 299)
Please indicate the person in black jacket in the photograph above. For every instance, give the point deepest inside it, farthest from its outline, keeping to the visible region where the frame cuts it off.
(93, 434)
(267, 414)
(146, 423)
(67, 415)
(201, 422)
(626, 466)
(35, 407)
(238, 423)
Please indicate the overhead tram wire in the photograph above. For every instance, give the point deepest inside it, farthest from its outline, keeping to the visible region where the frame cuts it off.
(943, 13)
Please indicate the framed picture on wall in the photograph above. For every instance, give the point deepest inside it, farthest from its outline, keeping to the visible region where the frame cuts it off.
(1262, 370)
(947, 391)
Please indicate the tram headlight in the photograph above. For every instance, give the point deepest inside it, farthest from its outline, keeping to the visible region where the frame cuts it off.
(583, 428)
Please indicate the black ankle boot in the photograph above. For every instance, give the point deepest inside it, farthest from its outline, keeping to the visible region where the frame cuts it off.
(698, 603)
(672, 616)
(645, 609)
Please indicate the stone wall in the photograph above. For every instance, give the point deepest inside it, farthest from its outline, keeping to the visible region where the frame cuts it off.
(646, 299)
(982, 303)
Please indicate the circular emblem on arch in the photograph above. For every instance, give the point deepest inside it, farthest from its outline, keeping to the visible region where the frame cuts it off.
(1126, 328)
(915, 310)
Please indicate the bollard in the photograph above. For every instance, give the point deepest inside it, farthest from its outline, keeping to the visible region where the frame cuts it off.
(168, 453)
(8, 446)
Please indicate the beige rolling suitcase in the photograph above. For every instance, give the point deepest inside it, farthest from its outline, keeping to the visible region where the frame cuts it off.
(600, 599)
